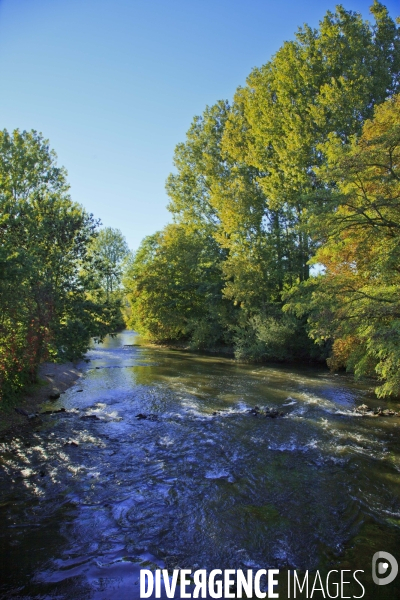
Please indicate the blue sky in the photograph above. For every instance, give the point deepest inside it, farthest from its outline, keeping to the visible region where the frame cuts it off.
(115, 84)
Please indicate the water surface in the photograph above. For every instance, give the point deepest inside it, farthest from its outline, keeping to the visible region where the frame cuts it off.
(202, 483)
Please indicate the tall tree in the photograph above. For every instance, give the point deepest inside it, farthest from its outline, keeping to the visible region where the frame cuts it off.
(109, 251)
(356, 302)
(327, 80)
(251, 174)
(45, 311)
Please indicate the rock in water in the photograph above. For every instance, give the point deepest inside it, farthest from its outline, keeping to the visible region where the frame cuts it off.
(94, 417)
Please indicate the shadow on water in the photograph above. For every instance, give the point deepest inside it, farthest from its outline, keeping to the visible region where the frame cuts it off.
(94, 494)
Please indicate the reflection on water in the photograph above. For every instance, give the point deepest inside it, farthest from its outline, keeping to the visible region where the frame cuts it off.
(92, 494)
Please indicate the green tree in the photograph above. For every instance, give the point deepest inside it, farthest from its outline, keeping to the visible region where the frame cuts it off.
(327, 80)
(45, 311)
(174, 287)
(251, 174)
(356, 302)
(110, 251)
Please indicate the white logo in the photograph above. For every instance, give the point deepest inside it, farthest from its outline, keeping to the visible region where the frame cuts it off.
(382, 568)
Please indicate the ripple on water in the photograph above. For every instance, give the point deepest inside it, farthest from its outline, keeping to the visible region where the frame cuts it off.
(205, 484)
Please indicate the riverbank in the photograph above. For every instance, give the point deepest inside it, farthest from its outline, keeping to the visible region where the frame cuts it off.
(53, 379)
(229, 352)
(226, 351)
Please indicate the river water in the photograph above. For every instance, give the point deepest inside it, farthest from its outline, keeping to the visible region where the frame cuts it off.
(91, 495)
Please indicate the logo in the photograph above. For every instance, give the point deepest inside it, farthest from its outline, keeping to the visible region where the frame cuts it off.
(387, 566)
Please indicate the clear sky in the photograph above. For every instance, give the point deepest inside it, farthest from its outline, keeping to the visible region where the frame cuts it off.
(114, 84)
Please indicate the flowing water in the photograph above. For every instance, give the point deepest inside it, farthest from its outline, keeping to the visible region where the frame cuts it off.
(91, 495)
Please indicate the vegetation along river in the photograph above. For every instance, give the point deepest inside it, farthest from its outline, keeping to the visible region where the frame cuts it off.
(92, 494)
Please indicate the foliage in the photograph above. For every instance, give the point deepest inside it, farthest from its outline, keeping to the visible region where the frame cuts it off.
(110, 250)
(325, 81)
(174, 286)
(109, 254)
(45, 268)
(262, 183)
(356, 303)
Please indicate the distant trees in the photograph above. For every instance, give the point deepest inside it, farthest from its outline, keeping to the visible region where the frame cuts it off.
(261, 177)
(174, 287)
(110, 250)
(46, 269)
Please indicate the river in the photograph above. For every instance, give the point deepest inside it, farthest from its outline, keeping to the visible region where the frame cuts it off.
(91, 495)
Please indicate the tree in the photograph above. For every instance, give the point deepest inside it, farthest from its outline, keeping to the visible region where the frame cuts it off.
(326, 81)
(251, 174)
(45, 311)
(356, 302)
(109, 250)
(174, 287)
